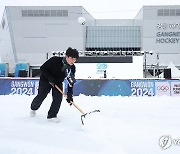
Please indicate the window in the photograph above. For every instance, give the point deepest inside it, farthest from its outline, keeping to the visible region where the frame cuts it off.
(172, 12)
(178, 12)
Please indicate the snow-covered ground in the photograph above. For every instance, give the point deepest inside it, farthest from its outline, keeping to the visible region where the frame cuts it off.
(125, 125)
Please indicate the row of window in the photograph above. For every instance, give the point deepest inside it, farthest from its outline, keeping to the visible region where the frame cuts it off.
(44, 13)
(112, 45)
(113, 39)
(112, 28)
(113, 49)
(113, 36)
(168, 12)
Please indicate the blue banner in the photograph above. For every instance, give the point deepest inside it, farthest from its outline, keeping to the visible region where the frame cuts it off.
(18, 86)
(97, 87)
(115, 87)
(142, 87)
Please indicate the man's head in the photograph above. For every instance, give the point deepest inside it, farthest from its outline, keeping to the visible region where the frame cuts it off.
(71, 55)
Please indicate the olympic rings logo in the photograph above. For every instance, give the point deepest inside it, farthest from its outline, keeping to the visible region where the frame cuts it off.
(163, 88)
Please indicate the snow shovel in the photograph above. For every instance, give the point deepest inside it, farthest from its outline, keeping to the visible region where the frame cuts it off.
(83, 113)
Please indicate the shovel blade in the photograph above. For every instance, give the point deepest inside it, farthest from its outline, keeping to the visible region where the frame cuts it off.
(84, 115)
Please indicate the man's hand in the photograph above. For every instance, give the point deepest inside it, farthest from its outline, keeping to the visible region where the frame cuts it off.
(69, 99)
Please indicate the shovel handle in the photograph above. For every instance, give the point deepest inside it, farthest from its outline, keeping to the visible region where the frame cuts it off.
(70, 101)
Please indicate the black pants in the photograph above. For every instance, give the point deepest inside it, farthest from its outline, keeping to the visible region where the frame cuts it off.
(44, 89)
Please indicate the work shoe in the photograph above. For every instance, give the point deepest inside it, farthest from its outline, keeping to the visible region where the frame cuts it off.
(55, 119)
(33, 113)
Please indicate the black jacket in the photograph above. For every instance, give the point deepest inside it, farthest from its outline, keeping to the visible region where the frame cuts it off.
(53, 69)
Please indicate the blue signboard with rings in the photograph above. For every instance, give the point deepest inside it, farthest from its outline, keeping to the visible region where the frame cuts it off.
(97, 87)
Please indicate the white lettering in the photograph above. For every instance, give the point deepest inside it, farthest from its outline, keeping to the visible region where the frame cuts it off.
(176, 141)
(21, 84)
(167, 40)
(168, 34)
(142, 84)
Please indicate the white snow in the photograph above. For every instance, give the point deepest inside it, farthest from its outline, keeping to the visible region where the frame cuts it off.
(125, 125)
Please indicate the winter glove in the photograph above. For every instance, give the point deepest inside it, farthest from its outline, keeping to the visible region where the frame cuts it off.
(51, 81)
(71, 80)
(69, 98)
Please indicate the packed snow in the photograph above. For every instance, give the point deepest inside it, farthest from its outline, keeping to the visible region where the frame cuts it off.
(125, 125)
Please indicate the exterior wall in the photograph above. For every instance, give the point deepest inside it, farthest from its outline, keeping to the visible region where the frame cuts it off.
(36, 36)
(6, 49)
(139, 15)
(152, 40)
